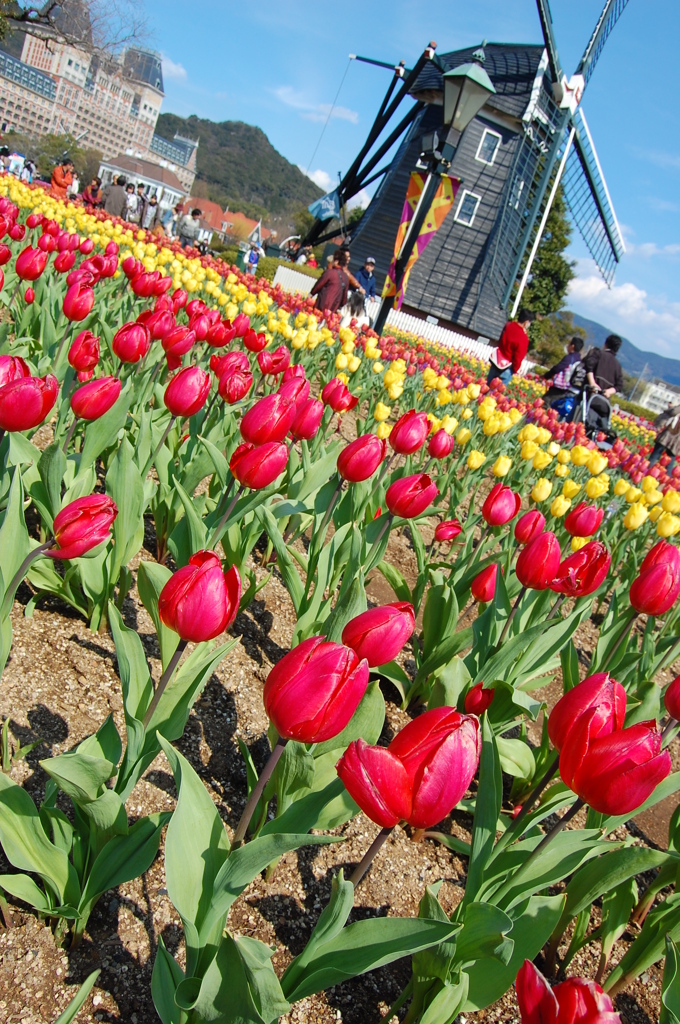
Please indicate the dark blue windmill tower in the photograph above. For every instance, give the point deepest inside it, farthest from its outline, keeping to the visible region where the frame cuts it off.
(530, 136)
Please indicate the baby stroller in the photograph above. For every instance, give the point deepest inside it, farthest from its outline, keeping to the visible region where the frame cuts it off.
(596, 411)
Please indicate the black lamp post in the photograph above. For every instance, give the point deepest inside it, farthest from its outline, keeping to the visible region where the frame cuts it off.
(466, 90)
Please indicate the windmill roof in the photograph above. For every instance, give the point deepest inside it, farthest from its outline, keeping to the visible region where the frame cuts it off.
(511, 67)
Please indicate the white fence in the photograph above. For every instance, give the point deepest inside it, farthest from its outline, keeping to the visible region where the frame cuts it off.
(293, 281)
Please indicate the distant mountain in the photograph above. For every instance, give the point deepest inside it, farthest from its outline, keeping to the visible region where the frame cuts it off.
(633, 359)
(241, 168)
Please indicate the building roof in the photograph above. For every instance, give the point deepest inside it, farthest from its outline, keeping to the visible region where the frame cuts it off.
(133, 166)
(511, 67)
(233, 218)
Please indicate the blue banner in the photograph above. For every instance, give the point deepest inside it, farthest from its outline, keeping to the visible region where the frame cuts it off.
(326, 207)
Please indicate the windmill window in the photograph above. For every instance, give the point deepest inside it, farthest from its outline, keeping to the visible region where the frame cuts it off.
(467, 208)
(488, 147)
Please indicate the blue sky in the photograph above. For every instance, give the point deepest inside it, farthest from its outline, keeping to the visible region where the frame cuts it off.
(279, 66)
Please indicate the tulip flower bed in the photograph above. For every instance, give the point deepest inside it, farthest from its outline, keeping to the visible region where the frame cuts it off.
(336, 685)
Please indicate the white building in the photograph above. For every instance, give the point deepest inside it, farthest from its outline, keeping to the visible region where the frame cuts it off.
(658, 395)
(157, 181)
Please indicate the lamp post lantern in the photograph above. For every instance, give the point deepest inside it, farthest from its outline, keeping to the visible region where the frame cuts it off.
(466, 90)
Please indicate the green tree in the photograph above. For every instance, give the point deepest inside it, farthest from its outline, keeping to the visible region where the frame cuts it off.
(551, 271)
(355, 215)
(303, 221)
(48, 150)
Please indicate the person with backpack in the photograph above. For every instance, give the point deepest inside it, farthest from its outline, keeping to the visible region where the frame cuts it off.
(331, 288)
(568, 376)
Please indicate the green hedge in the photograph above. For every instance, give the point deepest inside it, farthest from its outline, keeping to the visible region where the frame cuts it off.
(635, 409)
(268, 264)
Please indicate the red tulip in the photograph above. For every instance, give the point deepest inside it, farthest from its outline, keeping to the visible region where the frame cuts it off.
(441, 444)
(179, 299)
(82, 526)
(257, 466)
(538, 562)
(160, 323)
(337, 395)
(131, 342)
(483, 585)
(94, 399)
(380, 633)
(86, 246)
(26, 401)
(187, 391)
(253, 341)
(501, 505)
(228, 362)
(308, 416)
(440, 752)
(574, 1001)
(582, 573)
(241, 323)
(84, 352)
(313, 691)
(598, 691)
(377, 781)
(295, 389)
(217, 335)
(200, 600)
(176, 343)
(448, 530)
(64, 261)
(584, 520)
(78, 303)
(671, 699)
(273, 363)
(293, 371)
(360, 459)
(614, 772)
(409, 432)
(529, 526)
(657, 585)
(12, 368)
(269, 419)
(30, 263)
(5, 255)
(478, 699)
(234, 385)
(17, 232)
(411, 495)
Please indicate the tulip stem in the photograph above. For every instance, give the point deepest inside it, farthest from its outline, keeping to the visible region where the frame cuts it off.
(230, 508)
(624, 636)
(68, 334)
(528, 804)
(510, 618)
(23, 568)
(331, 506)
(556, 607)
(253, 799)
(365, 863)
(163, 682)
(671, 724)
(152, 457)
(71, 431)
(386, 526)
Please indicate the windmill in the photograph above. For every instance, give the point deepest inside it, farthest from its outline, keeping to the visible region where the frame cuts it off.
(530, 138)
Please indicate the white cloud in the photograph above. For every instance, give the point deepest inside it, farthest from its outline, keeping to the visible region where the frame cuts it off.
(310, 110)
(321, 178)
(173, 70)
(660, 158)
(662, 205)
(362, 198)
(649, 249)
(650, 323)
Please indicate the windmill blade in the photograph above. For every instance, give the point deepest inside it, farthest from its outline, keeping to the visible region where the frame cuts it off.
(549, 37)
(612, 11)
(589, 202)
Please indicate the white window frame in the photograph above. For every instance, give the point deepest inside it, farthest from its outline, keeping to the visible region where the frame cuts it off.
(497, 135)
(466, 223)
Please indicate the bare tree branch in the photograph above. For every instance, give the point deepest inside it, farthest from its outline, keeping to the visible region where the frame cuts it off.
(98, 26)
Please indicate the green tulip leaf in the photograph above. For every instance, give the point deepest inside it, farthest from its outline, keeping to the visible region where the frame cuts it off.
(670, 994)
(166, 978)
(78, 1000)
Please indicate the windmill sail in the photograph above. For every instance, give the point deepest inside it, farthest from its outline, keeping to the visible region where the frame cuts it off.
(589, 202)
(611, 12)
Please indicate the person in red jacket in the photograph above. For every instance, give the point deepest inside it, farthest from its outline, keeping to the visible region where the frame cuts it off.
(512, 348)
(62, 177)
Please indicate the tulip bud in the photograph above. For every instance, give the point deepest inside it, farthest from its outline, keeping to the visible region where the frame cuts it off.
(30, 263)
(82, 526)
(312, 692)
(234, 385)
(657, 585)
(360, 459)
(257, 466)
(131, 342)
(411, 495)
(380, 633)
(253, 341)
(441, 444)
(409, 432)
(574, 1001)
(584, 520)
(501, 505)
(26, 401)
(478, 699)
(94, 399)
(228, 362)
(582, 573)
(241, 323)
(377, 781)
(598, 691)
(200, 600)
(337, 396)
(448, 530)
(295, 389)
(483, 586)
(538, 562)
(187, 391)
(308, 416)
(12, 368)
(501, 466)
(78, 303)
(671, 699)
(29, 296)
(84, 352)
(541, 490)
(269, 419)
(529, 526)
(273, 363)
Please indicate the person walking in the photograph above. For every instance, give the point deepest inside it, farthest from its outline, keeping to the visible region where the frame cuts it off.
(668, 436)
(604, 371)
(366, 277)
(62, 177)
(565, 372)
(512, 348)
(331, 288)
(114, 197)
(171, 219)
(252, 258)
(188, 228)
(151, 217)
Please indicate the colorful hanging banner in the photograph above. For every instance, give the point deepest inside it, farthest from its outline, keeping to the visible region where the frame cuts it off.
(441, 204)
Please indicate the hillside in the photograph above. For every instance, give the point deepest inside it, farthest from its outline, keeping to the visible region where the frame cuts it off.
(633, 359)
(240, 167)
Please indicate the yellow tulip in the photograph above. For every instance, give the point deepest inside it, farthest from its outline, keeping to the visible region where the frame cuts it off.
(474, 390)
(596, 487)
(578, 542)
(378, 367)
(633, 494)
(528, 449)
(561, 471)
(621, 487)
(528, 433)
(543, 435)
(501, 466)
(382, 412)
(444, 397)
(341, 361)
(347, 347)
(343, 377)
(671, 502)
(542, 489)
(560, 506)
(391, 377)
(353, 364)
(570, 489)
(435, 423)
(449, 423)
(541, 460)
(649, 483)
(383, 431)
(515, 416)
(554, 449)
(668, 525)
(580, 455)
(596, 463)
(655, 513)
(635, 516)
(475, 459)
(463, 435)
(491, 426)
(653, 497)
(466, 414)
(395, 391)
